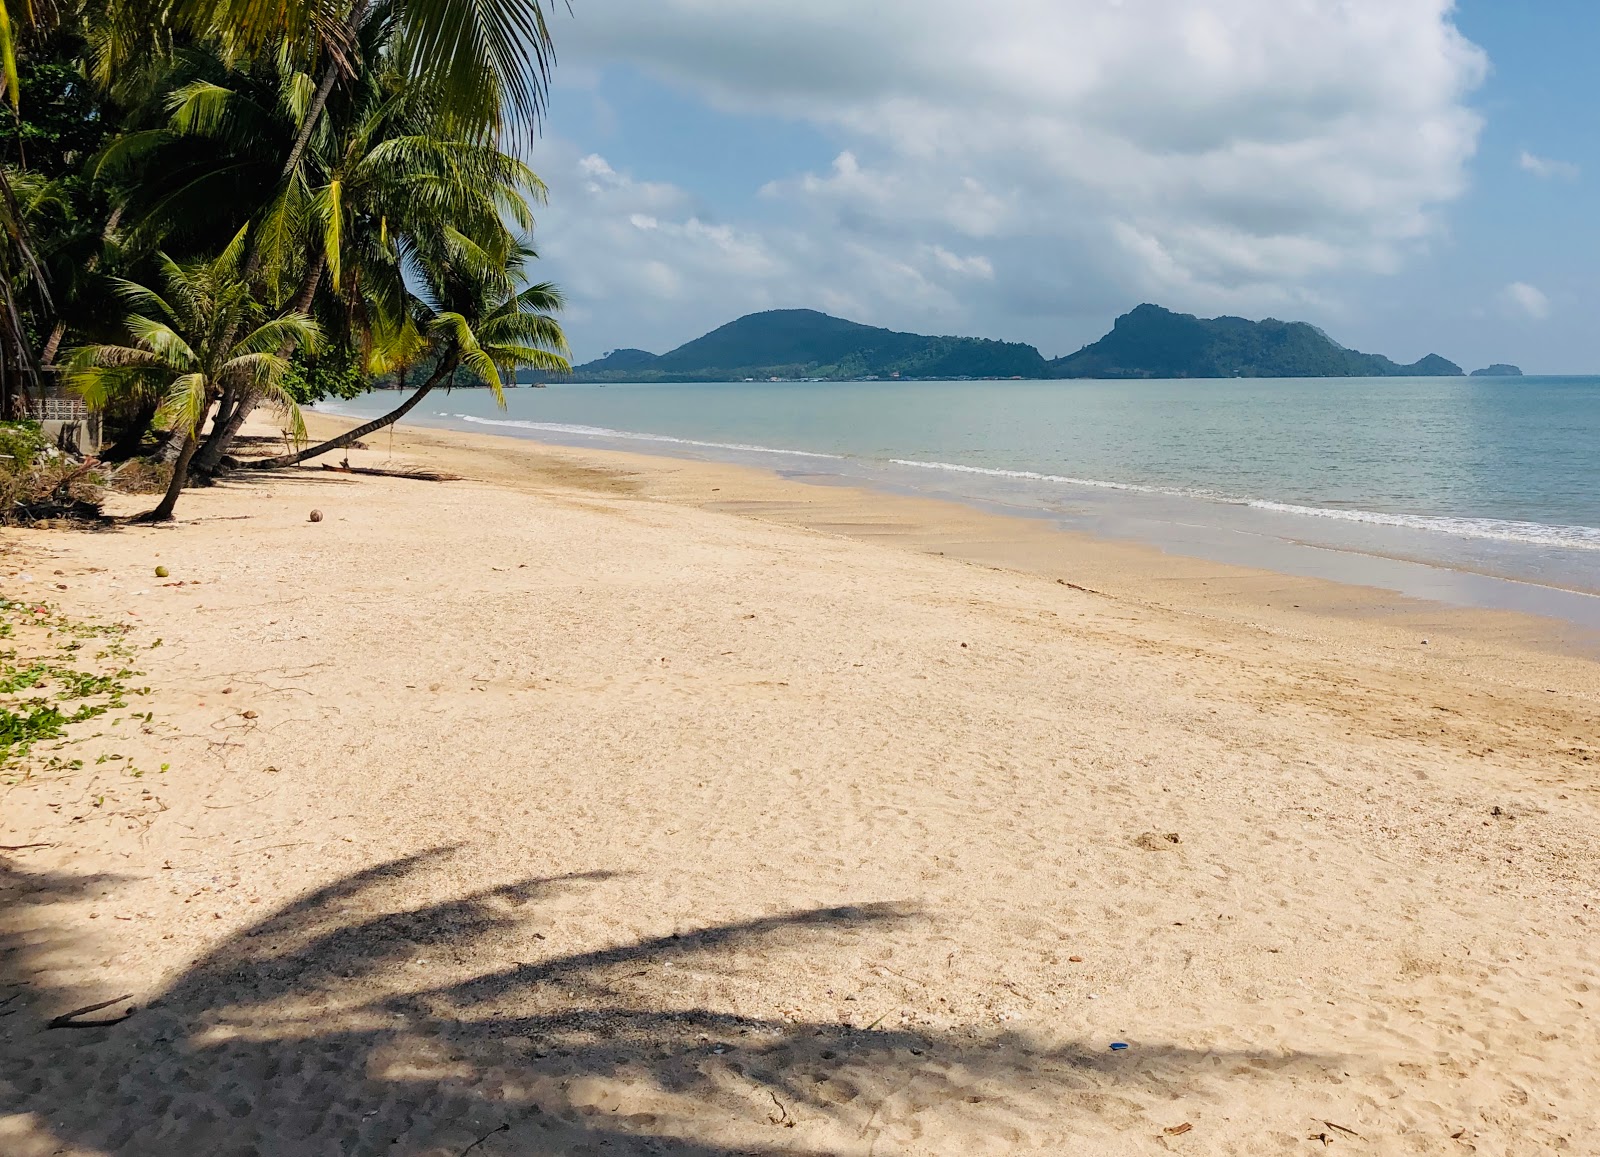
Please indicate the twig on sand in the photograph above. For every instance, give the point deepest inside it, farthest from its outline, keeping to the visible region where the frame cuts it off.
(1341, 1128)
(220, 807)
(502, 1129)
(70, 1019)
(22, 847)
(783, 1117)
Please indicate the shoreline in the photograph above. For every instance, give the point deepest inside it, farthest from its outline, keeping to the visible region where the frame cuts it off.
(597, 801)
(1033, 541)
(1421, 561)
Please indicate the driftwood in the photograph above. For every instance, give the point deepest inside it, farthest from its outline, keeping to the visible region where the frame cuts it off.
(418, 475)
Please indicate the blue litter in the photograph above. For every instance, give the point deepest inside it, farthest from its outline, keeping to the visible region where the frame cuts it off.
(1117, 1046)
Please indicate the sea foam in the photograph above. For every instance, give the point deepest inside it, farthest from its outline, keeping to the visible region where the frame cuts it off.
(633, 436)
(1490, 529)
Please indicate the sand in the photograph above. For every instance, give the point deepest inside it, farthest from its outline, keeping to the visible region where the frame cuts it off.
(597, 803)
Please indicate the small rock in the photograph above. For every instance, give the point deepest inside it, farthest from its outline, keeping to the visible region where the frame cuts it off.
(1075, 960)
(162, 572)
(251, 714)
(316, 516)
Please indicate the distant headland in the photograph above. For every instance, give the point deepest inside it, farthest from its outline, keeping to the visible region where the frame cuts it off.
(1146, 342)
(1498, 370)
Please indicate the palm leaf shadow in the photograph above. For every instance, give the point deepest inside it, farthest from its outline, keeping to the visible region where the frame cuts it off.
(303, 1034)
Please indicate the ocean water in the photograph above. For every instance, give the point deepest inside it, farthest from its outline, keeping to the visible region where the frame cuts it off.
(1422, 485)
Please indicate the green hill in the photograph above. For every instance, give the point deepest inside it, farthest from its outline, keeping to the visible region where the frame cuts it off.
(1148, 342)
(1151, 342)
(802, 343)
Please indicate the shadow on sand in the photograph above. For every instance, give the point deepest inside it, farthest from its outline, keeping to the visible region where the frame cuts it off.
(320, 1030)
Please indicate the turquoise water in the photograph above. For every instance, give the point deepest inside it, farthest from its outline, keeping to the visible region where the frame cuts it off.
(1493, 476)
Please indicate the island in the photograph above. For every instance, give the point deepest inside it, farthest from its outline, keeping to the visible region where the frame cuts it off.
(1146, 342)
(1498, 370)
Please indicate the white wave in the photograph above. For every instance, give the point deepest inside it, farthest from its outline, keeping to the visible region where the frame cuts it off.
(1496, 529)
(1492, 529)
(634, 436)
(1035, 476)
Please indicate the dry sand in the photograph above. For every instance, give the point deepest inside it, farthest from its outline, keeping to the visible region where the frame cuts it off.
(607, 804)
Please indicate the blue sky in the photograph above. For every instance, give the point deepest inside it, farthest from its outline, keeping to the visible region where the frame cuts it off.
(1411, 175)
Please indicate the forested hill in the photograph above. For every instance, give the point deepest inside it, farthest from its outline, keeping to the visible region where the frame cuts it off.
(802, 343)
(1151, 342)
(1148, 342)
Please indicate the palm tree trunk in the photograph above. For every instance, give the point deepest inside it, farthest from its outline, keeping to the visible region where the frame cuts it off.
(444, 370)
(131, 440)
(180, 475)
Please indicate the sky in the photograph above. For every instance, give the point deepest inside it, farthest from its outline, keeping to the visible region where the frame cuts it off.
(1414, 176)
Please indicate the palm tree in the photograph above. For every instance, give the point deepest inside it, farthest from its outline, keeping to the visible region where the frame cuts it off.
(379, 181)
(481, 322)
(186, 352)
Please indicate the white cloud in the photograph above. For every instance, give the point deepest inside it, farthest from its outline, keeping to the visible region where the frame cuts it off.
(1030, 158)
(1545, 167)
(1525, 300)
(644, 264)
(1253, 141)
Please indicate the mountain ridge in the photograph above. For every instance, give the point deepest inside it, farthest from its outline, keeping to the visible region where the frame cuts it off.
(1146, 342)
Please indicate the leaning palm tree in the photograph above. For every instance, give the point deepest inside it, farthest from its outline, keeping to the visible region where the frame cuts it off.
(480, 323)
(186, 352)
(382, 178)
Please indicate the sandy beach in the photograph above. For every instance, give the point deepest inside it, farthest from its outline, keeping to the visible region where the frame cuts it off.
(598, 803)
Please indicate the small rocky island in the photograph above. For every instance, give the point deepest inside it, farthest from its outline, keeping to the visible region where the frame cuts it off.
(1498, 370)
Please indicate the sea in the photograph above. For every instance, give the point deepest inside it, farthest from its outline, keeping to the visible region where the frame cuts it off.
(1469, 491)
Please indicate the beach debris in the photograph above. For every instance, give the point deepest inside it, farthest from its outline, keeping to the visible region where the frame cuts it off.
(251, 714)
(70, 1019)
(783, 1118)
(316, 516)
(1178, 1130)
(414, 475)
(1118, 1046)
(506, 1128)
(1342, 1129)
(1158, 841)
(162, 572)
(1074, 960)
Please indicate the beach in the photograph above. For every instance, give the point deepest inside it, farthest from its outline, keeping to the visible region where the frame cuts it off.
(592, 802)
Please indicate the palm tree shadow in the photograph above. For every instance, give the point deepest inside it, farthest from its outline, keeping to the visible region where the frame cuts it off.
(314, 1031)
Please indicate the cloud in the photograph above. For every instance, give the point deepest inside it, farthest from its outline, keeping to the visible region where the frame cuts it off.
(645, 263)
(1524, 300)
(1545, 167)
(1046, 156)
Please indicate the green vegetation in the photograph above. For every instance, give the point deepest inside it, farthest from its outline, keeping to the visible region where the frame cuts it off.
(213, 205)
(45, 687)
(1149, 342)
(802, 343)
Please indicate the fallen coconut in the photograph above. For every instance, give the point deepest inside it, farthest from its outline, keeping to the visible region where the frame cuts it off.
(316, 516)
